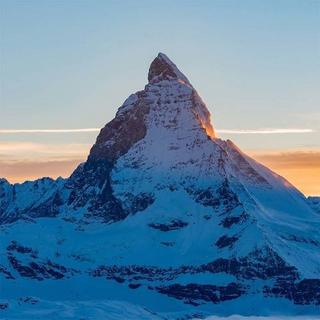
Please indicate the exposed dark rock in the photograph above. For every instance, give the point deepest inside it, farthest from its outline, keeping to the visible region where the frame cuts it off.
(306, 291)
(5, 199)
(225, 241)
(139, 273)
(223, 196)
(160, 69)
(207, 198)
(172, 225)
(15, 246)
(196, 294)
(90, 184)
(40, 270)
(24, 271)
(7, 274)
(257, 265)
(229, 221)
(119, 280)
(264, 265)
(134, 285)
(163, 69)
(227, 197)
(46, 200)
(167, 243)
(121, 133)
(292, 237)
(4, 305)
(140, 202)
(50, 208)
(28, 300)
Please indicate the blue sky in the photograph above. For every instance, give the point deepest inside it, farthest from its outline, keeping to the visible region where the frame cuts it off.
(70, 64)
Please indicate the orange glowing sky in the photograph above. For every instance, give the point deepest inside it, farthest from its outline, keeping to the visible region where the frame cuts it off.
(20, 161)
(301, 168)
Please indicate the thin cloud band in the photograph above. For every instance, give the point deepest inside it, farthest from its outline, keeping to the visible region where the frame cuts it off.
(223, 131)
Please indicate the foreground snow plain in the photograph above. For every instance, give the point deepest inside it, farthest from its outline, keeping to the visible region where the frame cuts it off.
(33, 309)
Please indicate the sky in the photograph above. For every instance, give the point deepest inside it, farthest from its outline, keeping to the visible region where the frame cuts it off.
(68, 65)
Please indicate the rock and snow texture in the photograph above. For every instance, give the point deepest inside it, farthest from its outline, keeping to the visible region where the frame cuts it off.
(29, 308)
(164, 214)
(314, 202)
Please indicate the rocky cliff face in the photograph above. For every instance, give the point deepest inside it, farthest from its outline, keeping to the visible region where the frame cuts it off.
(164, 208)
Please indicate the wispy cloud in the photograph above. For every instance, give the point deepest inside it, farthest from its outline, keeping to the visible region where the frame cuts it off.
(264, 131)
(291, 159)
(223, 131)
(14, 150)
(9, 131)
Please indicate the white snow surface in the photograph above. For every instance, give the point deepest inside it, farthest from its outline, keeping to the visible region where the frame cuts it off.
(238, 317)
(180, 151)
(179, 157)
(34, 309)
(314, 202)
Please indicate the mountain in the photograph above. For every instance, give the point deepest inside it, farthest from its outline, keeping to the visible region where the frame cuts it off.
(162, 214)
(314, 202)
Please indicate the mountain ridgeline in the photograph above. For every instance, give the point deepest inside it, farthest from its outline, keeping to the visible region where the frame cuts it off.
(164, 214)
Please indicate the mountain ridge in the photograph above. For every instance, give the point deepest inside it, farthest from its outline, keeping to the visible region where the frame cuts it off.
(164, 209)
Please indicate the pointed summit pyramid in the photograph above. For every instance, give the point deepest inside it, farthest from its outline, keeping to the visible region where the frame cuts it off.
(163, 210)
(168, 103)
(162, 68)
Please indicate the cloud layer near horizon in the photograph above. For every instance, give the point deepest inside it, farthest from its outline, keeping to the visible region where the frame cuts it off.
(228, 131)
(301, 168)
(20, 161)
(20, 171)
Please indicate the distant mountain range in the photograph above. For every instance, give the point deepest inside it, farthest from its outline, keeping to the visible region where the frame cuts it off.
(162, 214)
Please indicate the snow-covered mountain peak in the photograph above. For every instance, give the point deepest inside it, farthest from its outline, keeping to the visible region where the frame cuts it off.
(175, 96)
(168, 107)
(163, 209)
(162, 68)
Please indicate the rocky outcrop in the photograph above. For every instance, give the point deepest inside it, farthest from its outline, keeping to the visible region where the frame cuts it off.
(171, 225)
(197, 294)
(26, 262)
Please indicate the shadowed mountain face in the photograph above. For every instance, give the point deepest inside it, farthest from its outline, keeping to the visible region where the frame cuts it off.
(163, 209)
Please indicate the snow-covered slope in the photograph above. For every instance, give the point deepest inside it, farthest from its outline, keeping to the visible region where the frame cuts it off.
(164, 214)
(314, 202)
(29, 199)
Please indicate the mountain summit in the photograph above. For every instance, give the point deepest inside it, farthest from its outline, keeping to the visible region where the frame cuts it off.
(162, 68)
(165, 214)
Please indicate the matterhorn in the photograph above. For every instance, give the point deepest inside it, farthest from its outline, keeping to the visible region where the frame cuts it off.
(164, 220)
